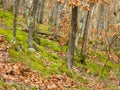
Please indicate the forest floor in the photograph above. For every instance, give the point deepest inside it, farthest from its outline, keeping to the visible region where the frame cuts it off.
(17, 72)
(45, 69)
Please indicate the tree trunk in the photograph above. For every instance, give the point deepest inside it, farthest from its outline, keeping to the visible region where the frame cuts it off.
(51, 13)
(16, 2)
(26, 11)
(72, 38)
(4, 2)
(41, 12)
(84, 41)
(32, 24)
(99, 21)
(57, 22)
(79, 33)
(59, 11)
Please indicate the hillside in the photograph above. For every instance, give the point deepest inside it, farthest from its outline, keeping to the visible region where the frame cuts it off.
(45, 67)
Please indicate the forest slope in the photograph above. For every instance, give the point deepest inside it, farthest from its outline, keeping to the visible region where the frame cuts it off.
(46, 65)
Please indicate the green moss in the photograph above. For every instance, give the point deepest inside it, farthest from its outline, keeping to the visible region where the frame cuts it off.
(34, 88)
(97, 69)
(118, 53)
(7, 17)
(63, 68)
(35, 60)
(101, 56)
(2, 83)
(112, 87)
(44, 28)
(93, 65)
(5, 14)
(50, 44)
(54, 65)
(8, 33)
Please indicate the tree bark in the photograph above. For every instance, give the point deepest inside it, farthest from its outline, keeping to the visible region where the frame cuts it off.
(16, 2)
(72, 38)
(51, 13)
(41, 12)
(85, 35)
(4, 4)
(26, 11)
(99, 21)
(59, 11)
(79, 33)
(32, 24)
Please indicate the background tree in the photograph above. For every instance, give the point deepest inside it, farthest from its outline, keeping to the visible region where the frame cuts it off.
(41, 11)
(16, 3)
(85, 35)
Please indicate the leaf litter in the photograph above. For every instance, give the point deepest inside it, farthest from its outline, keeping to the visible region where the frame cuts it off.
(19, 72)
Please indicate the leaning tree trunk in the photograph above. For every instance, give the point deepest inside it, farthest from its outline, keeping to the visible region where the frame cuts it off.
(32, 24)
(72, 38)
(16, 2)
(84, 41)
(79, 33)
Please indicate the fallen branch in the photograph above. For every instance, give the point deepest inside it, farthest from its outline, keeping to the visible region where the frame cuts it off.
(51, 35)
(115, 37)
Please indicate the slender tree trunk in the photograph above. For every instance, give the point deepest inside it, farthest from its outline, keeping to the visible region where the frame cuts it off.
(15, 17)
(58, 21)
(99, 21)
(72, 38)
(4, 4)
(26, 11)
(41, 12)
(84, 41)
(80, 23)
(51, 12)
(59, 11)
(32, 24)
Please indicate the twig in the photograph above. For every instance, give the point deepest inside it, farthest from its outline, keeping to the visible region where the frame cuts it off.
(108, 52)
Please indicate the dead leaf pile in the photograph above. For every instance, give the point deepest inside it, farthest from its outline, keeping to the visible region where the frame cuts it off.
(4, 55)
(114, 58)
(18, 72)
